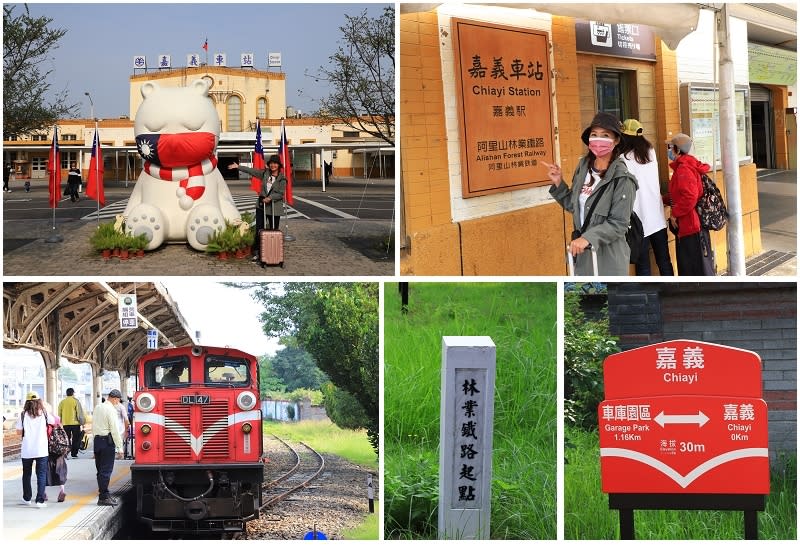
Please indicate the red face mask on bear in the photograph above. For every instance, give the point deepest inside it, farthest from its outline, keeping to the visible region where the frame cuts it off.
(176, 150)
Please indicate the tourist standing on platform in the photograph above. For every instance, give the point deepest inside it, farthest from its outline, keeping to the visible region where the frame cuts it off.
(692, 242)
(640, 158)
(57, 468)
(72, 418)
(600, 200)
(32, 425)
(107, 444)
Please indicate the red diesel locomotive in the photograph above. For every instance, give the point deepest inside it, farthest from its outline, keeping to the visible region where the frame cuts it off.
(197, 424)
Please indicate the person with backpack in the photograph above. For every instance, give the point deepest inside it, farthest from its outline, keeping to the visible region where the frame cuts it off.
(32, 426)
(640, 158)
(600, 200)
(692, 243)
(57, 462)
(71, 414)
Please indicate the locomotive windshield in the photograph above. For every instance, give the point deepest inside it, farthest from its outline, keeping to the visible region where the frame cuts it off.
(227, 371)
(167, 372)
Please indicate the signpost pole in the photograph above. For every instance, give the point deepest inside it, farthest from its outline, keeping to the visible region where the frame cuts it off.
(466, 428)
(626, 527)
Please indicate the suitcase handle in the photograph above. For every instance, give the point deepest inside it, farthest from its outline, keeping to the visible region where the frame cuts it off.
(571, 261)
(272, 211)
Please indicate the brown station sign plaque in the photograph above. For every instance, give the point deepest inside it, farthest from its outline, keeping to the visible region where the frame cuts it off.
(504, 106)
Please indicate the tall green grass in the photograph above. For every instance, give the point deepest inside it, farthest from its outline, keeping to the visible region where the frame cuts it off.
(324, 436)
(587, 516)
(521, 319)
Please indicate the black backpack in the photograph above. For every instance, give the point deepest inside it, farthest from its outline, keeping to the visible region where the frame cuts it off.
(710, 207)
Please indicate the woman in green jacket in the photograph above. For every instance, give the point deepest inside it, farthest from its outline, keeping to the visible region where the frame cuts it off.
(600, 176)
(270, 198)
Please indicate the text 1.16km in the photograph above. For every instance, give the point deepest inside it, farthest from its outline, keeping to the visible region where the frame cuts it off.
(627, 437)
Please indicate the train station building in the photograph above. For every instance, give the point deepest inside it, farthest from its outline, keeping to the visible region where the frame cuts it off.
(474, 199)
(241, 96)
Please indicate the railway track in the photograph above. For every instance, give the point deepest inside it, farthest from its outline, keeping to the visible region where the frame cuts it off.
(301, 474)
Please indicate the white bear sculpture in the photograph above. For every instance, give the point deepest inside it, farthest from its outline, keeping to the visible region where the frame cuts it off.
(180, 195)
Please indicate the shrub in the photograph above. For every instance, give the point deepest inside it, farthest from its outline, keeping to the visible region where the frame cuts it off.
(586, 344)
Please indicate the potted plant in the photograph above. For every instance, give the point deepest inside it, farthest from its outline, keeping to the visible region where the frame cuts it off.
(138, 244)
(247, 240)
(218, 243)
(103, 239)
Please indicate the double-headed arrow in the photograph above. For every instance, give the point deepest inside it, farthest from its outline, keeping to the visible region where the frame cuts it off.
(661, 419)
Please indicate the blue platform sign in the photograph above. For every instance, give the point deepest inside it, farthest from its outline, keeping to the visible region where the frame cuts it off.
(152, 339)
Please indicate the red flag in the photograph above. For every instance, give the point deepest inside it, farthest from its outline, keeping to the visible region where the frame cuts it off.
(54, 171)
(94, 187)
(205, 45)
(258, 159)
(286, 161)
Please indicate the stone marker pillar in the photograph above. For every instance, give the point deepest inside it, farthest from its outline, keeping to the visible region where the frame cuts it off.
(466, 427)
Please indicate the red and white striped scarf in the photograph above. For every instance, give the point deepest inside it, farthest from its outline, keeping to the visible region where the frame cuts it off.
(191, 178)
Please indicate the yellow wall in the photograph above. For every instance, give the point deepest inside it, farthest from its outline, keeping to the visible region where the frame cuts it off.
(530, 241)
(249, 85)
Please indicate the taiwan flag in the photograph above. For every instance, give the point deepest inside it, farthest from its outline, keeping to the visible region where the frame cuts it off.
(54, 171)
(205, 45)
(258, 159)
(94, 188)
(286, 161)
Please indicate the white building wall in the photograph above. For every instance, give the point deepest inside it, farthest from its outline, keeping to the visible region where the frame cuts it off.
(695, 53)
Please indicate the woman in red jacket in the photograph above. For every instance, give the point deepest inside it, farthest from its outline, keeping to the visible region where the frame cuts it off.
(685, 189)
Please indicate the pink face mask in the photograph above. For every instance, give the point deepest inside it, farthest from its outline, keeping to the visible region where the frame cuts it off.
(601, 146)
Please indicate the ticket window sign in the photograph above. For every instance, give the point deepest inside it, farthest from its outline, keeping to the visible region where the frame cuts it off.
(684, 417)
(126, 309)
(505, 113)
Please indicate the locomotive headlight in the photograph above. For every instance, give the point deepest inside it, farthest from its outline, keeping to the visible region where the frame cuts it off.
(247, 427)
(146, 429)
(246, 401)
(145, 402)
(146, 445)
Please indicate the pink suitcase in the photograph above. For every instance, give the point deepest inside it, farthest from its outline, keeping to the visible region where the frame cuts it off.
(271, 243)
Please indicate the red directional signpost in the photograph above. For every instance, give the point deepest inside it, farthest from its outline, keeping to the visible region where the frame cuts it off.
(683, 426)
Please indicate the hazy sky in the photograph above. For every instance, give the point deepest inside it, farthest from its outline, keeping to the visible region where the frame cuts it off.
(224, 316)
(96, 54)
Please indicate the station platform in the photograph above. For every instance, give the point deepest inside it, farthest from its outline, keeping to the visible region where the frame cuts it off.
(78, 517)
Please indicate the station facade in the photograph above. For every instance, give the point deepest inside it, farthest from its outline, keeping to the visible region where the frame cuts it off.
(521, 230)
(241, 97)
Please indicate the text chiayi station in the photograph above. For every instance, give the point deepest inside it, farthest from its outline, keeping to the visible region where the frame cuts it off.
(684, 416)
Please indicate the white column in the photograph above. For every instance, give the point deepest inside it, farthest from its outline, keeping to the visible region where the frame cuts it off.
(466, 427)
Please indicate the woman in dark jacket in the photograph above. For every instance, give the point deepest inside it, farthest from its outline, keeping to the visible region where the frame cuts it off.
(270, 198)
(685, 189)
(600, 176)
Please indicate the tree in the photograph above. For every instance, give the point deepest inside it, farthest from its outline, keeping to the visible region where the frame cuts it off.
(335, 322)
(586, 344)
(343, 409)
(297, 369)
(361, 73)
(269, 384)
(27, 42)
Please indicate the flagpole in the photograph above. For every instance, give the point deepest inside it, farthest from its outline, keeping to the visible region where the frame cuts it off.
(54, 236)
(94, 140)
(286, 236)
(96, 143)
